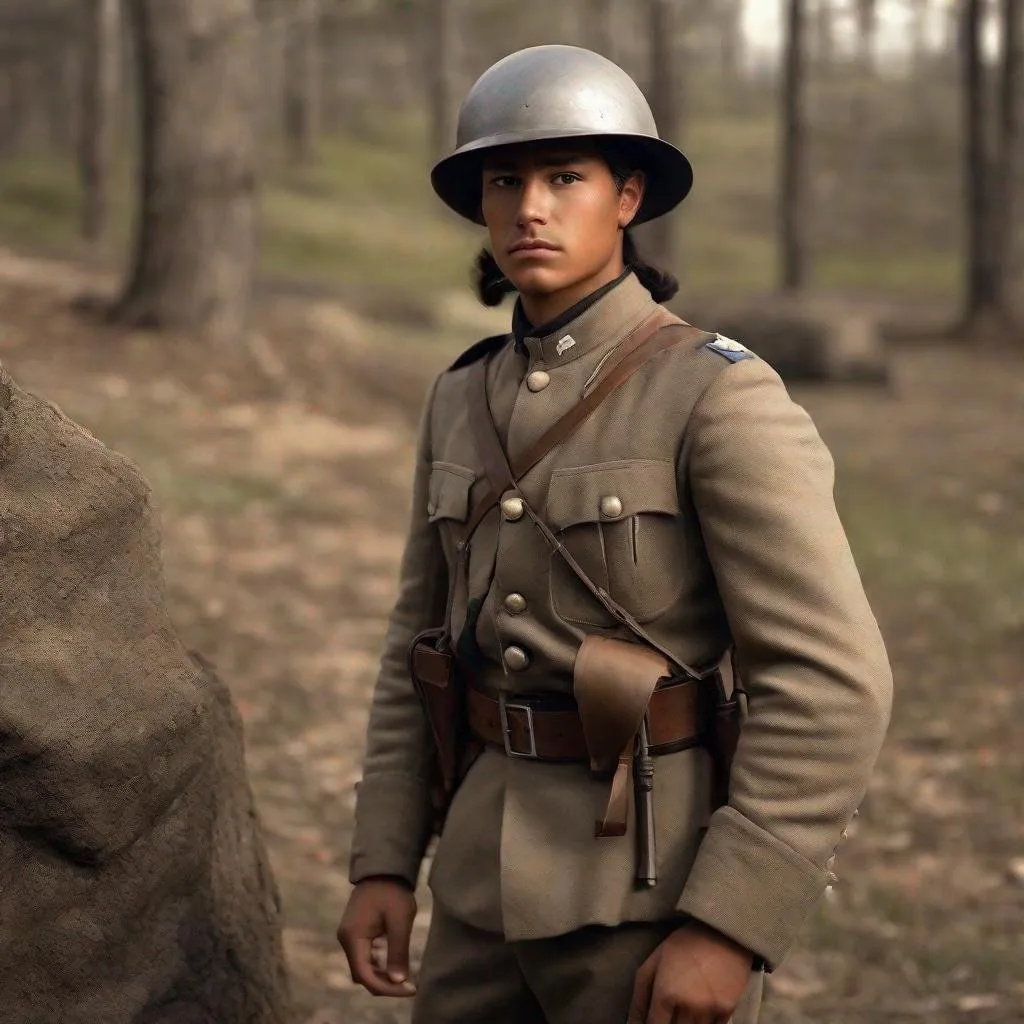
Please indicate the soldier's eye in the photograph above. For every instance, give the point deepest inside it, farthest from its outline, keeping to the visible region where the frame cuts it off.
(567, 178)
(504, 181)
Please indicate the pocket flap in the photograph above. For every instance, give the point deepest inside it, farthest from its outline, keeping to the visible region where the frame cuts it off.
(610, 491)
(449, 491)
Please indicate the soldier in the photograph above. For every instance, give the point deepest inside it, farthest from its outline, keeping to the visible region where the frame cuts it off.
(575, 569)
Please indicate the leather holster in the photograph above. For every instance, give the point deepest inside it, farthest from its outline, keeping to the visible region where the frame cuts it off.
(433, 670)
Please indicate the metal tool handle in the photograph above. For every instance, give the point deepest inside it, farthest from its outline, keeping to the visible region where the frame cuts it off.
(643, 783)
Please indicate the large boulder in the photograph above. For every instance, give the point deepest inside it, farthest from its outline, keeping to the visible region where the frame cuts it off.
(134, 882)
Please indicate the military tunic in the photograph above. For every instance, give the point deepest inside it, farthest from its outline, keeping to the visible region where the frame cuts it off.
(700, 495)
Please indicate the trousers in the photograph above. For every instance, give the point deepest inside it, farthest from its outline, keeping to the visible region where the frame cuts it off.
(586, 977)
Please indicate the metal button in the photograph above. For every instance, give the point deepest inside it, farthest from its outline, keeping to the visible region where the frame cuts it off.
(512, 509)
(516, 659)
(515, 604)
(538, 380)
(611, 506)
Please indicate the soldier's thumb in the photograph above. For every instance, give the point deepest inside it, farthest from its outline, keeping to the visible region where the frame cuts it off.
(399, 930)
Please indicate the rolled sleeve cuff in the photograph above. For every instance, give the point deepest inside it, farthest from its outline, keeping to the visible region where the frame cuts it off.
(393, 826)
(751, 887)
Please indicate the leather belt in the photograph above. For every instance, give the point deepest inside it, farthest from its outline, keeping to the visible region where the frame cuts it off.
(548, 727)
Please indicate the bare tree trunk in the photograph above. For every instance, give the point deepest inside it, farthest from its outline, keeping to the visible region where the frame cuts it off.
(15, 118)
(302, 79)
(70, 95)
(101, 69)
(919, 31)
(51, 83)
(195, 245)
(658, 236)
(1004, 187)
(729, 15)
(6, 110)
(824, 32)
(599, 27)
(982, 289)
(273, 31)
(439, 59)
(793, 194)
(862, 135)
(332, 66)
(867, 24)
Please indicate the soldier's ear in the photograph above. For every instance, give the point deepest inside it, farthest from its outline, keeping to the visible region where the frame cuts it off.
(630, 197)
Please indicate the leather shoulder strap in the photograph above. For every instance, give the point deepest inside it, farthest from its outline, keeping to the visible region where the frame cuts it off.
(645, 342)
(649, 342)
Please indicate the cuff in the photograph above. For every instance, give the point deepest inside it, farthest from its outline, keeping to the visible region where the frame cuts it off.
(392, 829)
(751, 887)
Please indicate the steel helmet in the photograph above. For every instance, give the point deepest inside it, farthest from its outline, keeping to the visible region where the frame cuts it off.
(559, 92)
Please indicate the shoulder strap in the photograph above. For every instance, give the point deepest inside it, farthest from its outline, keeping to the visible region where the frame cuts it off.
(642, 344)
(640, 347)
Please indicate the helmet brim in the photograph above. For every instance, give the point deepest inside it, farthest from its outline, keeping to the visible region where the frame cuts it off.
(458, 179)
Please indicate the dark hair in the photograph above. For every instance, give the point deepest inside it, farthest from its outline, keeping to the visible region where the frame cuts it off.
(492, 285)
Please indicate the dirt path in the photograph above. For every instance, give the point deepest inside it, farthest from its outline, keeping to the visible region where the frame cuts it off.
(283, 474)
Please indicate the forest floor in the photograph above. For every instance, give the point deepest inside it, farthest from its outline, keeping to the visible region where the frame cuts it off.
(283, 474)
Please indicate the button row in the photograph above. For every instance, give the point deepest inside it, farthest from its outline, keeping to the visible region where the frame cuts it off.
(513, 508)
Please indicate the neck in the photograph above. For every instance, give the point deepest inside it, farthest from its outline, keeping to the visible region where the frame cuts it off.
(543, 308)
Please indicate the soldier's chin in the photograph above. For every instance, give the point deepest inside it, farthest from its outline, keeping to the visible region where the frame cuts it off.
(539, 281)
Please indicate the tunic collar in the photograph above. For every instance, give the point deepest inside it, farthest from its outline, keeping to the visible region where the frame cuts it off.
(597, 321)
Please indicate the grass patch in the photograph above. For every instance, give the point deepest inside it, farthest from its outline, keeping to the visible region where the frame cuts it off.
(39, 203)
(904, 546)
(911, 272)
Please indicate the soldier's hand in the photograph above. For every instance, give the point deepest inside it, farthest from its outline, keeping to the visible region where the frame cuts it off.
(379, 912)
(696, 976)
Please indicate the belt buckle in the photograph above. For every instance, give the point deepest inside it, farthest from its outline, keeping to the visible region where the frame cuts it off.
(504, 704)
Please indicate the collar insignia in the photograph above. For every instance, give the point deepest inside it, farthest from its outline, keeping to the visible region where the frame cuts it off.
(564, 344)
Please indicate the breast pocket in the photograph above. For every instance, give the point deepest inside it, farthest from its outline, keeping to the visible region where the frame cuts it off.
(448, 500)
(619, 520)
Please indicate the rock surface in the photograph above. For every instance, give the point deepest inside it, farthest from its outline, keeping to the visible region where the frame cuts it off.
(134, 882)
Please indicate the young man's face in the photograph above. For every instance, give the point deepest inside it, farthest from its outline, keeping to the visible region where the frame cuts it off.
(554, 215)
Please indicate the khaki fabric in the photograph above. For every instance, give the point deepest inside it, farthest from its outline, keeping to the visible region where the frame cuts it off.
(728, 532)
(135, 887)
(469, 975)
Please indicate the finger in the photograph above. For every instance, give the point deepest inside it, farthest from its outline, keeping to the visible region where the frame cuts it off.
(664, 1011)
(399, 931)
(641, 997)
(380, 955)
(360, 959)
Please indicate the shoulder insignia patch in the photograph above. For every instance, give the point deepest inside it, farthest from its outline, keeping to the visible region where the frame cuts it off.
(729, 349)
(480, 349)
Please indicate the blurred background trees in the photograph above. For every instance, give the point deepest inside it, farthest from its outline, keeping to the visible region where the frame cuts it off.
(865, 146)
(194, 248)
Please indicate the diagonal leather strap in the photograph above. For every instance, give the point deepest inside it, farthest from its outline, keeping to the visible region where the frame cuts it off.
(642, 344)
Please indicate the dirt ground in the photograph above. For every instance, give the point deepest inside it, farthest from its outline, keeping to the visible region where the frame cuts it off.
(283, 473)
